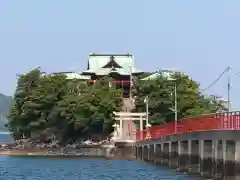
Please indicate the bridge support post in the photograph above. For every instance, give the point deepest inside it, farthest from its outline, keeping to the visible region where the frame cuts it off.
(158, 154)
(174, 154)
(169, 154)
(137, 152)
(201, 152)
(189, 154)
(237, 160)
(194, 161)
(231, 160)
(148, 152)
(154, 152)
(224, 146)
(166, 159)
(162, 153)
(183, 156)
(140, 153)
(151, 152)
(145, 153)
(218, 166)
(207, 159)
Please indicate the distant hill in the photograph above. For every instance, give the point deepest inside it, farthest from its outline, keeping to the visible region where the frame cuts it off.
(5, 105)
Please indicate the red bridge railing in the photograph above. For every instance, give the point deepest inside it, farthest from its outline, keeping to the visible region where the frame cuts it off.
(219, 121)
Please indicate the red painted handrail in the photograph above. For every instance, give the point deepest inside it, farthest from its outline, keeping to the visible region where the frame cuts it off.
(219, 121)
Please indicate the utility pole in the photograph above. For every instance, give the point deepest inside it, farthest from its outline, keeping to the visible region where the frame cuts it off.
(175, 100)
(146, 102)
(175, 104)
(229, 89)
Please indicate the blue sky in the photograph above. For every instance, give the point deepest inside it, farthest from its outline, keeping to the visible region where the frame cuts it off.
(198, 37)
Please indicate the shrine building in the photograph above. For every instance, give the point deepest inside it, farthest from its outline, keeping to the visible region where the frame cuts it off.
(120, 67)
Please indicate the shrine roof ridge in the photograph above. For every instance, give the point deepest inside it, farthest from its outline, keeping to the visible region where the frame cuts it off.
(110, 54)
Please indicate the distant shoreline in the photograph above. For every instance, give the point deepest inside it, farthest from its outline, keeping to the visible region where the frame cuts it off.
(5, 133)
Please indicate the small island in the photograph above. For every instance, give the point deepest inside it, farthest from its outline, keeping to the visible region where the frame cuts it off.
(71, 113)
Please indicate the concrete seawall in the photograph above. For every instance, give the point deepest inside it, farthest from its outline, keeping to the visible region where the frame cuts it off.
(212, 154)
(124, 150)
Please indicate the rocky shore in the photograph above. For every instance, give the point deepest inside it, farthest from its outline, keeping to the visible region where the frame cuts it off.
(28, 148)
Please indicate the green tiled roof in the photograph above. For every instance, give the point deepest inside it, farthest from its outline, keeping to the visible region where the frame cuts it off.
(157, 75)
(74, 75)
(96, 63)
(70, 75)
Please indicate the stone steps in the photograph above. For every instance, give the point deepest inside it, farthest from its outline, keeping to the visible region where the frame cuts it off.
(128, 125)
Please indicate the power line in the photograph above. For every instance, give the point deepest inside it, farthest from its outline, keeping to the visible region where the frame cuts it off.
(214, 82)
(237, 73)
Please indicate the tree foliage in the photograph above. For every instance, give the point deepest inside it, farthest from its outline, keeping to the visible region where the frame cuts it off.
(51, 105)
(161, 100)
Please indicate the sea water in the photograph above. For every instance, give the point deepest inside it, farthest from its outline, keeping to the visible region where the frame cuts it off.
(42, 168)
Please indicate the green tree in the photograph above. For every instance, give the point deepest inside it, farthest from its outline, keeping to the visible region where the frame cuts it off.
(50, 105)
(19, 118)
(160, 92)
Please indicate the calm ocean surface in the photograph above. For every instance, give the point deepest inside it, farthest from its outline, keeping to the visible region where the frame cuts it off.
(33, 168)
